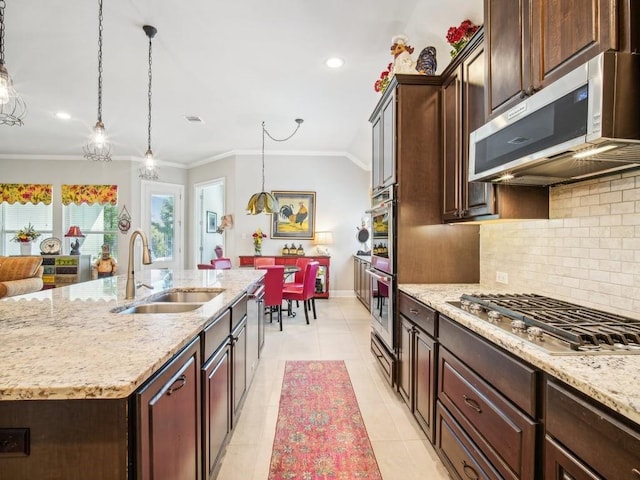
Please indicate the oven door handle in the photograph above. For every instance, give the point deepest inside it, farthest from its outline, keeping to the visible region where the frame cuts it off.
(376, 276)
(380, 207)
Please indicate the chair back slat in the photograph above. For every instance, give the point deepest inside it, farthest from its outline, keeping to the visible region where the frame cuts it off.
(262, 261)
(273, 283)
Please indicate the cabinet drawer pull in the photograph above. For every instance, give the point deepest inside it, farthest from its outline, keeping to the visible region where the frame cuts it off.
(414, 311)
(182, 380)
(471, 403)
(636, 472)
(469, 471)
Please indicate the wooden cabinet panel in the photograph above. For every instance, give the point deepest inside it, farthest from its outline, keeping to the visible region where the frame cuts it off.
(361, 281)
(579, 424)
(216, 389)
(388, 160)
(505, 436)
(508, 375)
(239, 367)
(168, 419)
(420, 314)
(452, 144)
(560, 464)
(425, 378)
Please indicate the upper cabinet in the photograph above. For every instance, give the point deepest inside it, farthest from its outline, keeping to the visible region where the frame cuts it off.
(463, 111)
(383, 165)
(531, 43)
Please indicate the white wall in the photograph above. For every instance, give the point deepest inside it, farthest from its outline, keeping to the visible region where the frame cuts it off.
(587, 252)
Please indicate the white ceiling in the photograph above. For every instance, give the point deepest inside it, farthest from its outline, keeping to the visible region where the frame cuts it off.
(232, 63)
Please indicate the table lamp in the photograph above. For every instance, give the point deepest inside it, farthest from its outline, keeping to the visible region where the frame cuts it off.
(322, 239)
(74, 232)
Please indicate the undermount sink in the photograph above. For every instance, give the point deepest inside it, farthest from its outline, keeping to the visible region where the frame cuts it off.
(200, 296)
(162, 308)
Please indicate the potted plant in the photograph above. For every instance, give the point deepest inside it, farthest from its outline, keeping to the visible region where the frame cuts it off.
(24, 237)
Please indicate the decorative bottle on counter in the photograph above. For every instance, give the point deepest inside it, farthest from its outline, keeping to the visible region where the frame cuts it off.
(285, 250)
(300, 250)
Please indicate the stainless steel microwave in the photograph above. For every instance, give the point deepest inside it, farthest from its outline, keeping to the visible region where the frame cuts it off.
(585, 124)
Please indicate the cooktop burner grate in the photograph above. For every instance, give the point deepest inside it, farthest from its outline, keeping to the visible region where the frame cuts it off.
(582, 327)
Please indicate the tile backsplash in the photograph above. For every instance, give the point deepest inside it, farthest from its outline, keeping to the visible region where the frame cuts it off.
(587, 252)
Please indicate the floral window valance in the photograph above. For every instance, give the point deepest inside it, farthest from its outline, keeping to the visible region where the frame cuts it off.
(24, 193)
(90, 194)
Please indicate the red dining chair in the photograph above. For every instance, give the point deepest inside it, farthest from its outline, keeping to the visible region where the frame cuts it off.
(301, 263)
(306, 293)
(205, 266)
(262, 261)
(221, 263)
(273, 282)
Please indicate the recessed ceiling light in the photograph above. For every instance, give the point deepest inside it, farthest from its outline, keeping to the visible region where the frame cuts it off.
(334, 62)
(193, 119)
(63, 116)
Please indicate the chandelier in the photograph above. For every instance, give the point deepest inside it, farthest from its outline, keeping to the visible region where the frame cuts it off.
(12, 107)
(263, 201)
(149, 171)
(98, 149)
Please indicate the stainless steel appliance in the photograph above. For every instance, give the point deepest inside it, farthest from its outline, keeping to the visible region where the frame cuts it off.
(582, 125)
(556, 326)
(382, 272)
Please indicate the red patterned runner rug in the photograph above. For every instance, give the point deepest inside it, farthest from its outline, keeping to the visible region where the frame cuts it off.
(320, 433)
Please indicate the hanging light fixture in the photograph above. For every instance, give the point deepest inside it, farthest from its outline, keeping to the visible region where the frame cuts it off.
(149, 171)
(12, 107)
(263, 201)
(98, 149)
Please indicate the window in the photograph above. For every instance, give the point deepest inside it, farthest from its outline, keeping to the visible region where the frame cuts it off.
(16, 216)
(99, 224)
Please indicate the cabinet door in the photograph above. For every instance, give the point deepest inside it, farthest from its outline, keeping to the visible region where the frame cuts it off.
(239, 366)
(506, 24)
(567, 33)
(405, 358)
(376, 152)
(168, 416)
(388, 161)
(559, 464)
(424, 377)
(216, 387)
(452, 145)
(477, 197)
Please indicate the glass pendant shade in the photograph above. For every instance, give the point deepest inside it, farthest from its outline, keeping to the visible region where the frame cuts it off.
(262, 202)
(5, 84)
(12, 107)
(149, 171)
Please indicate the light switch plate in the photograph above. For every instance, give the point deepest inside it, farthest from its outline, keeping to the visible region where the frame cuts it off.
(502, 277)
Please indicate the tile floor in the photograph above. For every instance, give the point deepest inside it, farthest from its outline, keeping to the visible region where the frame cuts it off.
(341, 332)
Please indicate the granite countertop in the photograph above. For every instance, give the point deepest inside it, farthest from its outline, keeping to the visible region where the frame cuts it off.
(65, 343)
(613, 380)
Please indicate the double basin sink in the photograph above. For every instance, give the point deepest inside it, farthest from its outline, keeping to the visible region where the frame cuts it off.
(173, 301)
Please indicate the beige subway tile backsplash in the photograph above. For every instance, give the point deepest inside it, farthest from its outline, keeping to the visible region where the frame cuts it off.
(587, 252)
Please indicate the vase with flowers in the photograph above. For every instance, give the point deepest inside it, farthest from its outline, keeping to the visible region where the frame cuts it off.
(257, 241)
(24, 237)
(458, 36)
(383, 82)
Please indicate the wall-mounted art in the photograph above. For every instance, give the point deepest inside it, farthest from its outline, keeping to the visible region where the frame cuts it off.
(296, 216)
(212, 222)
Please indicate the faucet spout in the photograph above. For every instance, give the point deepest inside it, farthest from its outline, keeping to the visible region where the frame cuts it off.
(130, 290)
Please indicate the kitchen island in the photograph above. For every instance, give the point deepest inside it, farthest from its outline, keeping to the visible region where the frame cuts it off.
(73, 368)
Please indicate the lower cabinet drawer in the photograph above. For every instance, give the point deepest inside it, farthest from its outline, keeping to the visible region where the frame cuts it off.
(504, 434)
(457, 452)
(559, 464)
(384, 359)
(607, 445)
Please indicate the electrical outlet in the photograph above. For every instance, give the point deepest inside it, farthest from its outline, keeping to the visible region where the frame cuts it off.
(502, 277)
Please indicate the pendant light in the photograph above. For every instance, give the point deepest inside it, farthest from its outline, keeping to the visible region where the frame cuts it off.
(149, 171)
(263, 201)
(12, 107)
(98, 149)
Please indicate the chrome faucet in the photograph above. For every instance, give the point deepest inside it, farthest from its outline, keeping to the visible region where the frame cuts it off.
(146, 260)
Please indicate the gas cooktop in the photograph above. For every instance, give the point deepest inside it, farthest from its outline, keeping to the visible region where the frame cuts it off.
(556, 326)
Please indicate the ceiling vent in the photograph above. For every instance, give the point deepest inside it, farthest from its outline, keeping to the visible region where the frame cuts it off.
(193, 119)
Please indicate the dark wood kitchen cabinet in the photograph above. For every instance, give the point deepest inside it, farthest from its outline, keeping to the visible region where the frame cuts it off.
(463, 111)
(417, 360)
(486, 418)
(383, 165)
(531, 43)
(238, 356)
(362, 281)
(574, 425)
(168, 419)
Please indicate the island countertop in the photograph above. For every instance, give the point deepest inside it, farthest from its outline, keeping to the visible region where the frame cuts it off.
(66, 343)
(613, 380)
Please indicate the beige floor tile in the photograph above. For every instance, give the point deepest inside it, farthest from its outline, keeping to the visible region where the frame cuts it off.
(341, 331)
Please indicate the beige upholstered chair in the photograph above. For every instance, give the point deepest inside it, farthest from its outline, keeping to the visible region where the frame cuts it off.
(19, 275)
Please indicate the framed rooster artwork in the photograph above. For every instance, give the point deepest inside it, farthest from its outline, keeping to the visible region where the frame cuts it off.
(296, 215)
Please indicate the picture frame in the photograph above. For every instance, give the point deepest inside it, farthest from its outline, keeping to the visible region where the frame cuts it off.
(288, 222)
(212, 222)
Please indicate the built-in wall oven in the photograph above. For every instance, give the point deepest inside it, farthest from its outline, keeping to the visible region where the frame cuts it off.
(382, 272)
